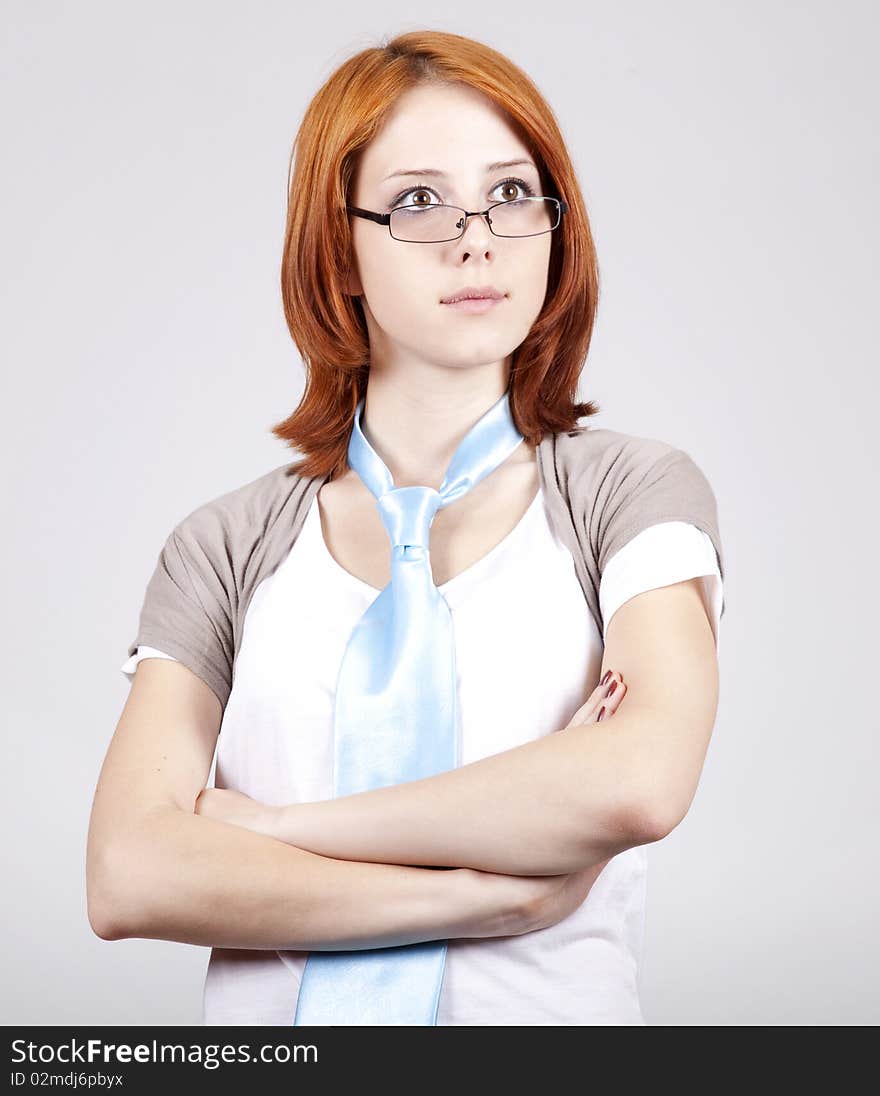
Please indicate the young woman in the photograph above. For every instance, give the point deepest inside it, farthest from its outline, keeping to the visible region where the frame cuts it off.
(427, 170)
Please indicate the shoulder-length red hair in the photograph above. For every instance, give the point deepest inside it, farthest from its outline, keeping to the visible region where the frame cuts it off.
(327, 323)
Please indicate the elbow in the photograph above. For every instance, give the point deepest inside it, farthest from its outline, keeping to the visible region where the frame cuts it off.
(619, 828)
(106, 904)
(659, 798)
(645, 825)
(649, 821)
(127, 873)
(102, 919)
(101, 922)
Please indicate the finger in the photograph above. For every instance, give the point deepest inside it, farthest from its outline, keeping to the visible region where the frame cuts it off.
(589, 711)
(614, 695)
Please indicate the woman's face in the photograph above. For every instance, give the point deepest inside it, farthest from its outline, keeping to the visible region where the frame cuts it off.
(459, 132)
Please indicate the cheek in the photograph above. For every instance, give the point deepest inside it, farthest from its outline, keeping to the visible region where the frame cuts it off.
(533, 285)
(400, 291)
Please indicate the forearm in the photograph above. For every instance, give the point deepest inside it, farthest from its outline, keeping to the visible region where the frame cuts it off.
(202, 881)
(558, 804)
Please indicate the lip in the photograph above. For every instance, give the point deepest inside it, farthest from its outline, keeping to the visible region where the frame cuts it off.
(474, 292)
(475, 305)
(475, 300)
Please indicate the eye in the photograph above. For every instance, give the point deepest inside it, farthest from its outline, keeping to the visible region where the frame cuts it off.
(520, 184)
(399, 200)
(407, 197)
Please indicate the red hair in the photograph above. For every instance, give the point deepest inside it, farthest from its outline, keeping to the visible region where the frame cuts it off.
(327, 323)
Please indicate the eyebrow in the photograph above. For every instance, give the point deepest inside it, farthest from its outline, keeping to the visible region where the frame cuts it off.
(442, 174)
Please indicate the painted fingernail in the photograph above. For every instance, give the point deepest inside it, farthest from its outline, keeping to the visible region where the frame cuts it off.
(611, 690)
(601, 713)
(608, 674)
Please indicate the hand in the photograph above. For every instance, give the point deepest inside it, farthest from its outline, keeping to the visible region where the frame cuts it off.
(599, 700)
(237, 808)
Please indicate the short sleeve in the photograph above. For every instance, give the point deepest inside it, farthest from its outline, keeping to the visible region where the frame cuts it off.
(642, 490)
(130, 665)
(186, 612)
(660, 555)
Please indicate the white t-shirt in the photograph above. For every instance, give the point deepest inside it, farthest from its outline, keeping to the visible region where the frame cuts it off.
(275, 745)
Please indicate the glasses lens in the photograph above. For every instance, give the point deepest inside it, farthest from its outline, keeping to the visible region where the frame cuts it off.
(426, 224)
(525, 217)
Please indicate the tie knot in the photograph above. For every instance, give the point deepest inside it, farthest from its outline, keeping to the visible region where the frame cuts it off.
(407, 513)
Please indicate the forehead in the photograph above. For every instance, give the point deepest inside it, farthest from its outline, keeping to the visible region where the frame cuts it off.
(450, 130)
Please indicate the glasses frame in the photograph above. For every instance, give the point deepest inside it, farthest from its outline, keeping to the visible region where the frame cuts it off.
(385, 218)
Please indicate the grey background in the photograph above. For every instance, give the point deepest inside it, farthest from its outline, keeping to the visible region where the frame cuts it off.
(728, 157)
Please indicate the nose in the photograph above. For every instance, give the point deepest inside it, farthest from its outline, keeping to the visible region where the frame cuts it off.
(483, 232)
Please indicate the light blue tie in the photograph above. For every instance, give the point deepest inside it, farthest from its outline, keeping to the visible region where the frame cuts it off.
(395, 717)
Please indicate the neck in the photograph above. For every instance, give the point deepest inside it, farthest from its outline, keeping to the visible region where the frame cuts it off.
(416, 429)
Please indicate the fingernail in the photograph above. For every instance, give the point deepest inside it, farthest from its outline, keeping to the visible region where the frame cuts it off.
(611, 690)
(608, 674)
(601, 713)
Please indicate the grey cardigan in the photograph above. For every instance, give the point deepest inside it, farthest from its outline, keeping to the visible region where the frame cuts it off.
(601, 487)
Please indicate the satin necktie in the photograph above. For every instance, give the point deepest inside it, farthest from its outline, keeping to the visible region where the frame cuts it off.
(395, 718)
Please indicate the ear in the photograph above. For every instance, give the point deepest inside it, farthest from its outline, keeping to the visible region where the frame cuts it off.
(353, 284)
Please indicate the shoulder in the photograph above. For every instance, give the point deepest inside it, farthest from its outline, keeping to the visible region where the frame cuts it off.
(242, 513)
(616, 484)
(594, 449)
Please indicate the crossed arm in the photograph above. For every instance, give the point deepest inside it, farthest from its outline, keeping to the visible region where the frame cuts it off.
(558, 804)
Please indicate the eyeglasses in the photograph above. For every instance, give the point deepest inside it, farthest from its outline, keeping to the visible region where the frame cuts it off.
(435, 224)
